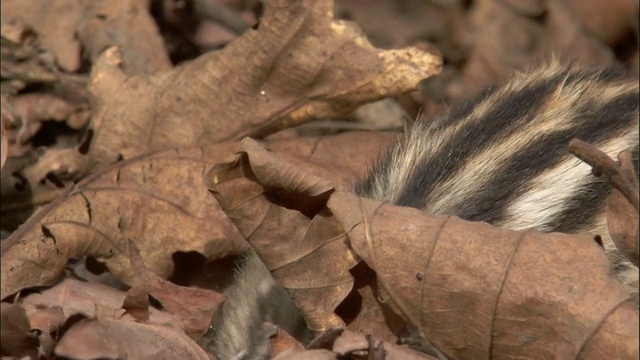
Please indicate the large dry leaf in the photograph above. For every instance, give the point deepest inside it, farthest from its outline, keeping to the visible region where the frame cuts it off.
(479, 291)
(474, 290)
(160, 202)
(299, 64)
(157, 200)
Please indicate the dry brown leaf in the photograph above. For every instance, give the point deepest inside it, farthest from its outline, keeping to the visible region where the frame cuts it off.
(47, 319)
(160, 202)
(88, 299)
(25, 61)
(14, 332)
(264, 224)
(193, 307)
(90, 27)
(127, 25)
(474, 290)
(283, 342)
(56, 33)
(391, 24)
(363, 310)
(37, 179)
(136, 303)
(34, 108)
(508, 35)
(318, 354)
(299, 64)
(610, 20)
(112, 339)
(350, 341)
(55, 169)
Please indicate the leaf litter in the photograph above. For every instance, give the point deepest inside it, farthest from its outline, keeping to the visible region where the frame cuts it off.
(106, 79)
(507, 283)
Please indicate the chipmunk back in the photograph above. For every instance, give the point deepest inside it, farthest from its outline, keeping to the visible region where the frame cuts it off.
(501, 158)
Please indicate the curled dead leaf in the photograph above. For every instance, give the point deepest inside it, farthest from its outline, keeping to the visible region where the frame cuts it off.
(192, 307)
(246, 188)
(488, 284)
(136, 303)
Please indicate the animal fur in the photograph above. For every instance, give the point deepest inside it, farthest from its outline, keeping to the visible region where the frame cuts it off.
(501, 158)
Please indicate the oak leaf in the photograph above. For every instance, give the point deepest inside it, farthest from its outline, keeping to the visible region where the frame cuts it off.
(299, 64)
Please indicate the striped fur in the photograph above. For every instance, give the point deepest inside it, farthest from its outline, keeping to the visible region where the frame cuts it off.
(501, 158)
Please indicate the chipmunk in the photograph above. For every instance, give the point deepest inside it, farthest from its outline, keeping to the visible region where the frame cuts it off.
(501, 158)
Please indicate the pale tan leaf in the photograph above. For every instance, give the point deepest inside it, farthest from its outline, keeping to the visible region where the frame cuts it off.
(300, 64)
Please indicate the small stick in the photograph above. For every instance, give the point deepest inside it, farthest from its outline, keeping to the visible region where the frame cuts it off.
(621, 175)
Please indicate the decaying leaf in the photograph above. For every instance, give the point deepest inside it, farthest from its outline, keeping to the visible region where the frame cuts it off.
(283, 342)
(57, 35)
(310, 239)
(56, 169)
(193, 307)
(160, 202)
(15, 339)
(90, 27)
(350, 341)
(299, 64)
(508, 36)
(472, 289)
(610, 21)
(75, 297)
(136, 303)
(157, 200)
(34, 108)
(130, 27)
(112, 339)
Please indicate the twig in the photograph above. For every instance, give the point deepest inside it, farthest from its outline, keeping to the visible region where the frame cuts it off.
(621, 175)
